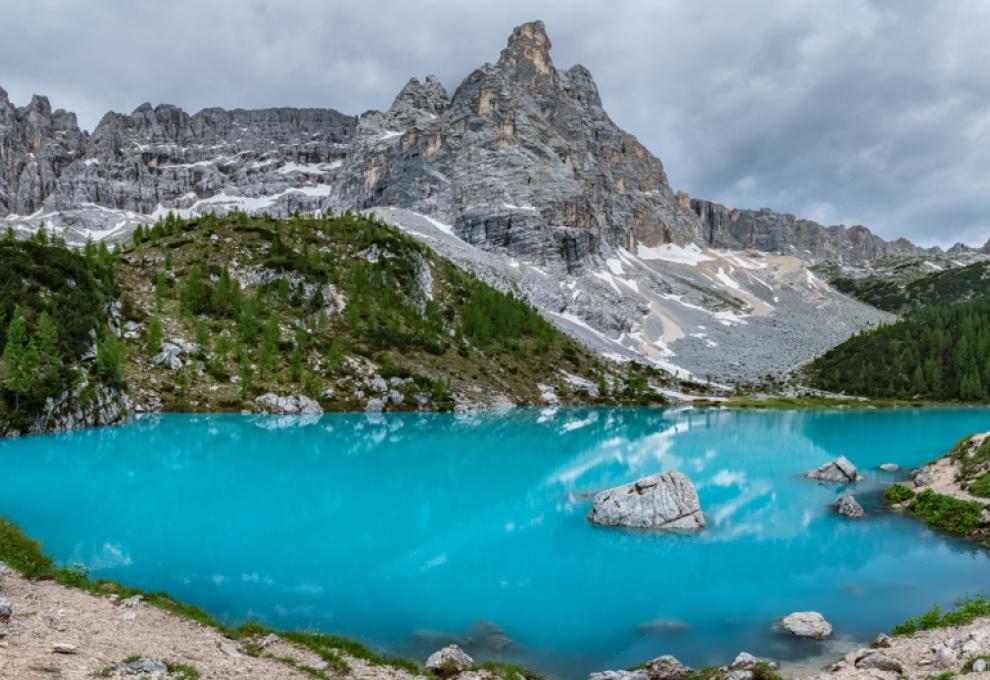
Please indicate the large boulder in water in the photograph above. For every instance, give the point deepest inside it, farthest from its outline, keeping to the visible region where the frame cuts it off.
(811, 625)
(840, 471)
(662, 501)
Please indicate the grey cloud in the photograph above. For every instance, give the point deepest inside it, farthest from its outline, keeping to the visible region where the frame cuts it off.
(849, 111)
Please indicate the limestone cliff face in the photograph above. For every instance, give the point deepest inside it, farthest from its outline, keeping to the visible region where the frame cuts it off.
(523, 157)
(162, 157)
(774, 232)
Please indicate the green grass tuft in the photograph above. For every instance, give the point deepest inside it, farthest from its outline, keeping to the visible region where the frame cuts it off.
(965, 612)
(946, 513)
(898, 493)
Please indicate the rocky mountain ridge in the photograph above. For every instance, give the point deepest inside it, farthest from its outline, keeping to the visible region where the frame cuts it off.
(522, 156)
(520, 172)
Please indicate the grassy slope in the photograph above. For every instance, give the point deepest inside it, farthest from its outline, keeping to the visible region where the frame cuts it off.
(402, 312)
(958, 516)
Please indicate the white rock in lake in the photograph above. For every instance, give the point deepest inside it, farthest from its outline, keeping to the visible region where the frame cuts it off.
(811, 625)
(890, 467)
(848, 506)
(663, 501)
(451, 659)
(298, 405)
(839, 470)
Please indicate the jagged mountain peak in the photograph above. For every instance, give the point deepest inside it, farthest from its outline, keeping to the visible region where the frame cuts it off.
(429, 96)
(527, 54)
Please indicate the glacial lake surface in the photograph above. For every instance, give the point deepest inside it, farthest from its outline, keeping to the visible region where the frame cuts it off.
(408, 531)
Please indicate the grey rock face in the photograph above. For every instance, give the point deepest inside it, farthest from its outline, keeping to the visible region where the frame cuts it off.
(80, 407)
(811, 625)
(522, 158)
(162, 158)
(839, 471)
(663, 501)
(775, 232)
(6, 610)
(848, 506)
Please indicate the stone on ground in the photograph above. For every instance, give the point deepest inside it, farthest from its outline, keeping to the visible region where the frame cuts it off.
(449, 660)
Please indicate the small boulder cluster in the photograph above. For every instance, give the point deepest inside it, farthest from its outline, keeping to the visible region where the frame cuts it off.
(840, 471)
(667, 667)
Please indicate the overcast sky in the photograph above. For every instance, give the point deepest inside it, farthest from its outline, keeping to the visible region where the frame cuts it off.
(843, 111)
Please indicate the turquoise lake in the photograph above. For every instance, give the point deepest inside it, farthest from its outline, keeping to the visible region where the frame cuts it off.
(407, 531)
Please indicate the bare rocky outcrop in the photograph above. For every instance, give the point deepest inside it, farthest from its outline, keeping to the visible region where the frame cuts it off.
(288, 405)
(449, 660)
(776, 232)
(847, 506)
(839, 471)
(85, 404)
(663, 501)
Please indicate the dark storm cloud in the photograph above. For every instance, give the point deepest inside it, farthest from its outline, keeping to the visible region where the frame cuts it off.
(849, 111)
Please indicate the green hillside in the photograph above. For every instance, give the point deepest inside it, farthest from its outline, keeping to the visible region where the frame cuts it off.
(936, 353)
(53, 325)
(899, 294)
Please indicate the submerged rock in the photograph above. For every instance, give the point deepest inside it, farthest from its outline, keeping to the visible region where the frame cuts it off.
(839, 470)
(664, 626)
(810, 625)
(661, 668)
(663, 501)
(890, 467)
(848, 506)
(449, 660)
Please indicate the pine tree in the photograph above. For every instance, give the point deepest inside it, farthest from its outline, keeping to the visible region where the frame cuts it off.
(919, 385)
(46, 337)
(159, 290)
(270, 337)
(153, 336)
(20, 358)
(110, 355)
(246, 374)
(295, 364)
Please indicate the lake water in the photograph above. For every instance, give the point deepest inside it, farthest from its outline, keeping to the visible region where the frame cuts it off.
(407, 531)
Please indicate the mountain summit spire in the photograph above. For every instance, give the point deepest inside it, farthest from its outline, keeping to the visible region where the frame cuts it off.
(528, 52)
